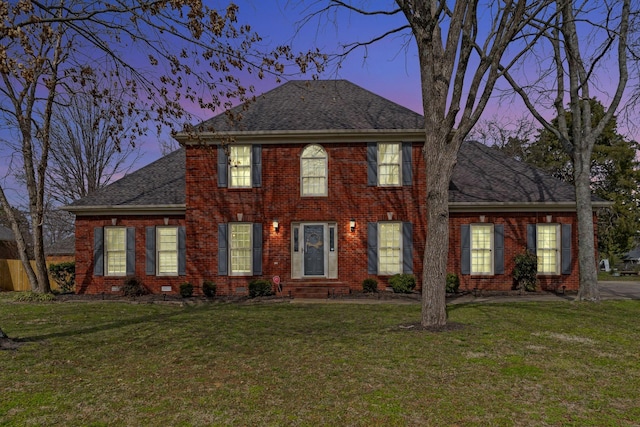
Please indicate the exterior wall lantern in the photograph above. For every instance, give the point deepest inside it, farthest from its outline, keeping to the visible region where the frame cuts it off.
(352, 224)
(276, 225)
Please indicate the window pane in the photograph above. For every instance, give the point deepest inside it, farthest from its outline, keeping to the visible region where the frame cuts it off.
(547, 248)
(390, 248)
(389, 164)
(167, 247)
(240, 167)
(115, 250)
(481, 249)
(240, 247)
(314, 171)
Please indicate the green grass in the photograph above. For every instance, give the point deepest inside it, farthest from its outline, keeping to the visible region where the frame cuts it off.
(119, 364)
(603, 276)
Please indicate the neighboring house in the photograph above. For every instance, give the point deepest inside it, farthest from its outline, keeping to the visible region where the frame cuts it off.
(61, 251)
(8, 245)
(323, 184)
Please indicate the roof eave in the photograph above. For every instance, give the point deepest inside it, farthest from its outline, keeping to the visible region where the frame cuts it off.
(464, 207)
(126, 210)
(302, 136)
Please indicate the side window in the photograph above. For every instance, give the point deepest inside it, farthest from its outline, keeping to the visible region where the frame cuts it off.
(115, 250)
(548, 248)
(481, 248)
(313, 171)
(240, 166)
(167, 250)
(389, 161)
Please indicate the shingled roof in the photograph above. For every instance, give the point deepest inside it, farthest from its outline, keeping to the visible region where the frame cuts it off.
(316, 105)
(482, 177)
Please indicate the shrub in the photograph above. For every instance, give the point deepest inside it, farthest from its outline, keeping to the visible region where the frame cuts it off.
(186, 290)
(525, 271)
(453, 283)
(33, 297)
(209, 288)
(133, 287)
(64, 274)
(260, 288)
(370, 285)
(402, 283)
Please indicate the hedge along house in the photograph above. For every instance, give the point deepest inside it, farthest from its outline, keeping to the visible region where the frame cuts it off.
(322, 184)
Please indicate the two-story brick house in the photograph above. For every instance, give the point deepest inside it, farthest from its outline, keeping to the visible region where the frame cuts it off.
(322, 184)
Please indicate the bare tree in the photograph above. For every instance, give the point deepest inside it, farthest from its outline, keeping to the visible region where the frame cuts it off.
(512, 137)
(160, 54)
(582, 37)
(460, 45)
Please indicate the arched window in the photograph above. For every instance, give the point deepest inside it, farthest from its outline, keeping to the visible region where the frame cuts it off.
(313, 171)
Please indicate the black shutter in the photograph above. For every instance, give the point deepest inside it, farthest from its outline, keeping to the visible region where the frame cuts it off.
(532, 240)
(407, 172)
(150, 251)
(98, 251)
(223, 167)
(407, 247)
(256, 165)
(372, 164)
(465, 249)
(566, 249)
(257, 249)
(223, 252)
(131, 251)
(498, 254)
(372, 248)
(182, 250)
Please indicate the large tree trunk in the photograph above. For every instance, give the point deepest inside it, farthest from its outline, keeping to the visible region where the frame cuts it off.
(586, 249)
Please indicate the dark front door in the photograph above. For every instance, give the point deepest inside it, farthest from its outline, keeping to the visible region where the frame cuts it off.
(314, 250)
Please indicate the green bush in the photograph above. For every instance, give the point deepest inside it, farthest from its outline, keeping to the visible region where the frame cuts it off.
(402, 283)
(133, 287)
(525, 271)
(33, 297)
(260, 288)
(64, 274)
(209, 288)
(453, 283)
(186, 290)
(370, 285)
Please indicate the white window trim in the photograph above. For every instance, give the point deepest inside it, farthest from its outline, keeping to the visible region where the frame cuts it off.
(158, 273)
(400, 260)
(231, 166)
(230, 249)
(379, 156)
(107, 251)
(558, 249)
(326, 172)
(491, 249)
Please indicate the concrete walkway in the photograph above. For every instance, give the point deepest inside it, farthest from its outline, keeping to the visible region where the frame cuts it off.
(608, 291)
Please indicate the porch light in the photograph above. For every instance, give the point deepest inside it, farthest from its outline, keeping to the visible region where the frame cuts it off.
(352, 224)
(276, 225)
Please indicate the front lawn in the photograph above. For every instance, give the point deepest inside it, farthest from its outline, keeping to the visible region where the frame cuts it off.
(120, 364)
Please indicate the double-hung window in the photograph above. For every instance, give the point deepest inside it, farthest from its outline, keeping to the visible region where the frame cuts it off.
(115, 249)
(481, 248)
(167, 250)
(313, 171)
(548, 248)
(240, 166)
(389, 248)
(389, 164)
(240, 248)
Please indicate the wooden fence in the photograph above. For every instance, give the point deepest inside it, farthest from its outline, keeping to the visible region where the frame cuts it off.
(13, 277)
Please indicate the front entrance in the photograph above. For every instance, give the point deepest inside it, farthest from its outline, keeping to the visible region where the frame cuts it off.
(314, 250)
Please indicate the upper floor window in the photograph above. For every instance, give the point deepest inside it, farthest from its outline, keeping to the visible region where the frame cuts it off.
(313, 171)
(389, 164)
(481, 248)
(240, 166)
(548, 248)
(115, 249)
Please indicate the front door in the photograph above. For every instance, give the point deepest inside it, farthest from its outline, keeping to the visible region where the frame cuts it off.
(314, 250)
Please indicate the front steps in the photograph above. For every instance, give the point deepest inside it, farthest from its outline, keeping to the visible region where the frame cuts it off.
(315, 289)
